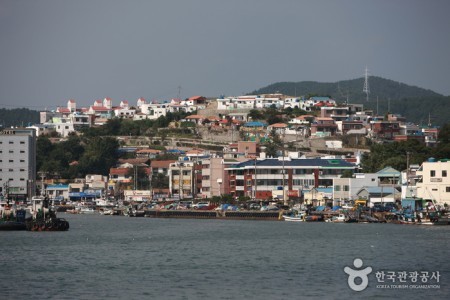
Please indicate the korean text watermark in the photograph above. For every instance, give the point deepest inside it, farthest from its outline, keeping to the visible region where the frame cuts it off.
(358, 278)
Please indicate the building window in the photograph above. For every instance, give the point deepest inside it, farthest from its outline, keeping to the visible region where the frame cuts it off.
(432, 173)
(346, 188)
(337, 188)
(444, 173)
(447, 189)
(22, 142)
(11, 160)
(11, 142)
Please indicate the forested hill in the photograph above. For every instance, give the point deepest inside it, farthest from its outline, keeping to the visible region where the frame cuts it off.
(18, 117)
(418, 105)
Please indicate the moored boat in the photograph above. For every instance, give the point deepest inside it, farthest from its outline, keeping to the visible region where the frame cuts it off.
(341, 218)
(294, 218)
(11, 218)
(43, 218)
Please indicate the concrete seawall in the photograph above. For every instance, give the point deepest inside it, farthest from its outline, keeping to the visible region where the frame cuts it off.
(208, 214)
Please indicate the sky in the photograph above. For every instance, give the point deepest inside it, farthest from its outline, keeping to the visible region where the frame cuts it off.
(55, 50)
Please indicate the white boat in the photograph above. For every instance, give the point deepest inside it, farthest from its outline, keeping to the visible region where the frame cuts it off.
(338, 219)
(294, 218)
(86, 210)
(106, 211)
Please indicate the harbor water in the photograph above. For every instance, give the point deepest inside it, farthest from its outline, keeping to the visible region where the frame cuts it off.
(113, 257)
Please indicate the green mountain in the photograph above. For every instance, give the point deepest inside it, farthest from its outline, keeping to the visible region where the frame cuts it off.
(418, 105)
(20, 117)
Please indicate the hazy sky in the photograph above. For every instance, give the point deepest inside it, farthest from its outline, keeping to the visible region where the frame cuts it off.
(55, 50)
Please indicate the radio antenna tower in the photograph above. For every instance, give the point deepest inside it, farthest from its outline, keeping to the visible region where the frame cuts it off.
(366, 88)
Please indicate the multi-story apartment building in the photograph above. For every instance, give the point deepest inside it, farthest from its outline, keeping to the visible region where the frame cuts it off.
(258, 178)
(181, 179)
(18, 163)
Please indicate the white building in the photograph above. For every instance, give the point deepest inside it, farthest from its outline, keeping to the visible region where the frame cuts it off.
(18, 163)
(434, 181)
(346, 189)
(154, 110)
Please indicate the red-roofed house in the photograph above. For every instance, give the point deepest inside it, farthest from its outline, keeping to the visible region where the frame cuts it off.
(160, 166)
(147, 153)
(195, 100)
(278, 127)
(123, 175)
(65, 112)
(195, 118)
(323, 127)
(101, 112)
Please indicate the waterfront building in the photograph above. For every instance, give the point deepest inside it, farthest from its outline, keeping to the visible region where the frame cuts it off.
(18, 163)
(379, 195)
(346, 189)
(319, 196)
(257, 178)
(389, 176)
(137, 195)
(58, 191)
(181, 179)
(434, 181)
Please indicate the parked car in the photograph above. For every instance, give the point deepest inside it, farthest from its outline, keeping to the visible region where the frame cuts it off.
(200, 205)
(254, 206)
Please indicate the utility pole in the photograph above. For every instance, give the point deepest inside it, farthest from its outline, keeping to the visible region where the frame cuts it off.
(255, 185)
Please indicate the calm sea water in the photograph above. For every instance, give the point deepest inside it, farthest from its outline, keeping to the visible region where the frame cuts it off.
(113, 257)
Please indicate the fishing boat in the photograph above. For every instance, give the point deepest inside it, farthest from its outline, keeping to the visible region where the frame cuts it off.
(341, 218)
(86, 210)
(295, 217)
(106, 211)
(43, 217)
(11, 218)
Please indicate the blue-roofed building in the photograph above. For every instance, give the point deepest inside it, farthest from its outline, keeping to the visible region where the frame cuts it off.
(259, 178)
(58, 191)
(254, 131)
(255, 124)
